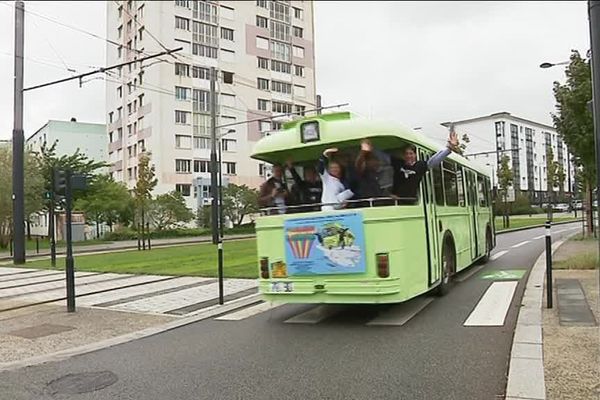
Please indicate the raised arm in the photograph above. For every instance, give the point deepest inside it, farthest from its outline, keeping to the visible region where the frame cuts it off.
(438, 157)
(324, 159)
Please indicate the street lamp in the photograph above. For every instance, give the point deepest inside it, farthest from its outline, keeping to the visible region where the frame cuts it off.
(546, 65)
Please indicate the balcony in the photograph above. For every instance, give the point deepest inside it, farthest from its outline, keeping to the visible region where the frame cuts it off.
(116, 145)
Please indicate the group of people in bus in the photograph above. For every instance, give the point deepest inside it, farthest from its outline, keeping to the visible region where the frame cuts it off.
(337, 178)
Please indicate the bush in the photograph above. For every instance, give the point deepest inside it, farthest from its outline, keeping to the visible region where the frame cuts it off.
(127, 233)
(520, 206)
(122, 233)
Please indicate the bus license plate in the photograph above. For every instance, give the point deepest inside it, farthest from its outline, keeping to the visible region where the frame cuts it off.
(282, 287)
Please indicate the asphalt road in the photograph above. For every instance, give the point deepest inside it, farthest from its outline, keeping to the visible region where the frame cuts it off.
(433, 356)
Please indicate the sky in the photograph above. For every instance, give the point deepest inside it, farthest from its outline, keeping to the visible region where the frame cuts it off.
(416, 63)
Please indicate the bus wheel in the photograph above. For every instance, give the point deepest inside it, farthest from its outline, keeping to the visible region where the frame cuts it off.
(448, 266)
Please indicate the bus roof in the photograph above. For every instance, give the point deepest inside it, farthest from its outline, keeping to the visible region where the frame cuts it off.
(337, 129)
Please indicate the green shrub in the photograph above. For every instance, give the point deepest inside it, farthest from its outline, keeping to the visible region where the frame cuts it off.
(123, 233)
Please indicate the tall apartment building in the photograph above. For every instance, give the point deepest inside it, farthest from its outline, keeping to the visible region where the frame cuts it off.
(163, 106)
(527, 143)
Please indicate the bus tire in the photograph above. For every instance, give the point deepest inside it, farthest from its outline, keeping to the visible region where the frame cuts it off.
(448, 268)
(488, 247)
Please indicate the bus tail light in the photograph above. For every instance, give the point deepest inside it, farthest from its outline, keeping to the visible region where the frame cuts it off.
(383, 265)
(264, 268)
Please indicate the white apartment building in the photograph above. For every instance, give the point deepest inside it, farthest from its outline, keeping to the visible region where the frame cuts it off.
(526, 142)
(163, 106)
(70, 136)
(89, 138)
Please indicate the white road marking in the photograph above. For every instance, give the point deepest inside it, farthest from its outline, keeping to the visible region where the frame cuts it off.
(498, 255)
(314, 315)
(464, 275)
(521, 244)
(493, 306)
(538, 237)
(400, 314)
(248, 312)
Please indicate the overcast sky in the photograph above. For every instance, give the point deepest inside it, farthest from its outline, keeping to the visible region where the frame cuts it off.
(418, 63)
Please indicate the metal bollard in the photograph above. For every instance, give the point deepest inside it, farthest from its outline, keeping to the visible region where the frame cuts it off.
(10, 245)
(37, 245)
(138, 238)
(148, 232)
(548, 265)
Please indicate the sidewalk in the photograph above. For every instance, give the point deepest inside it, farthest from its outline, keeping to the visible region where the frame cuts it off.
(124, 245)
(571, 341)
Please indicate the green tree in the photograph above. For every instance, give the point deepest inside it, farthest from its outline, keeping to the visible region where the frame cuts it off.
(5, 197)
(551, 179)
(169, 209)
(105, 201)
(239, 201)
(142, 192)
(505, 180)
(574, 122)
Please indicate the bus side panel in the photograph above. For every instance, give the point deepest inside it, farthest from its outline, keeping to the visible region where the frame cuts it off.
(456, 220)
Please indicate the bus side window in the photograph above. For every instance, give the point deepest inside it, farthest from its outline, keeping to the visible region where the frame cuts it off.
(460, 186)
(450, 183)
(481, 191)
(438, 186)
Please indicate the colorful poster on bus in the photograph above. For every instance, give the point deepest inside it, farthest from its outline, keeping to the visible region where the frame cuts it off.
(332, 244)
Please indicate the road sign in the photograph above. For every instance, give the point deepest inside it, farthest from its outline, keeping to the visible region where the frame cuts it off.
(503, 274)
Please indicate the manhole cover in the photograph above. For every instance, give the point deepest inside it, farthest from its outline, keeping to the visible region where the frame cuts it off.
(38, 331)
(82, 383)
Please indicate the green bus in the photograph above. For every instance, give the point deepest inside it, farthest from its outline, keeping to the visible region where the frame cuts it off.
(384, 250)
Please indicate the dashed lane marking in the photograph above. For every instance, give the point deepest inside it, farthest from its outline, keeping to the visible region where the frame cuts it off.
(498, 255)
(493, 306)
(521, 244)
(538, 237)
(400, 314)
(248, 312)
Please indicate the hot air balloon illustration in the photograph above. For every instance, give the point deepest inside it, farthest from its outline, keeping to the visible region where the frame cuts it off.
(300, 240)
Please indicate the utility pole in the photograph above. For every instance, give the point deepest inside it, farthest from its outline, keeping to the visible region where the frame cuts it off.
(318, 104)
(18, 140)
(214, 189)
(594, 16)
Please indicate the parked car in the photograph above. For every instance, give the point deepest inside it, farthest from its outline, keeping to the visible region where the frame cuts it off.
(560, 207)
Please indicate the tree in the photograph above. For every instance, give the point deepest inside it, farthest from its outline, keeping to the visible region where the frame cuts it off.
(34, 192)
(551, 178)
(146, 182)
(574, 122)
(76, 162)
(169, 209)
(239, 201)
(106, 201)
(505, 180)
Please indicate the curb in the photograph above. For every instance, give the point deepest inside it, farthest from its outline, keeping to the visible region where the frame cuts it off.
(526, 369)
(200, 315)
(524, 228)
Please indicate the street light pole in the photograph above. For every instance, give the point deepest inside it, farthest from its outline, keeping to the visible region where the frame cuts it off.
(594, 16)
(18, 140)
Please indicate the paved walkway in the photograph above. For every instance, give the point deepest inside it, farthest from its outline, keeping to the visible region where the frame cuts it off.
(124, 245)
(148, 294)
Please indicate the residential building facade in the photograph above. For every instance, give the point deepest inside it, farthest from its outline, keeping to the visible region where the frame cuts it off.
(528, 144)
(162, 106)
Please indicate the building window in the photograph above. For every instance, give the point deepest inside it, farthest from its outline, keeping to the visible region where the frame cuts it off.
(280, 51)
(261, 43)
(119, 133)
(200, 72)
(279, 66)
(182, 23)
(263, 63)
(229, 144)
(280, 107)
(141, 33)
(120, 31)
(183, 166)
(300, 109)
(201, 142)
(261, 169)
(229, 168)
(262, 22)
(129, 109)
(259, 3)
(263, 104)
(263, 84)
(299, 70)
(298, 51)
(182, 69)
(141, 11)
(141, 100)
(204, 51)
(120, 10)
(182, 3)
(119, 51)
(183, 142)
(201, 166)
(298, 32)
(280, 31)
(201, 100)
(226, 33)
(205, 34)
(184, 189)
(182, 93)
(281, 87)
(299, 91)
(129, 27)
(205, 11)
(181, 117)
(129, 131)
(298, 13)
(110, 117)
(277, 125)
(280, 11)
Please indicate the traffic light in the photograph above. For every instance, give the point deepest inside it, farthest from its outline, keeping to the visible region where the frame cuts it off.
(60, 181)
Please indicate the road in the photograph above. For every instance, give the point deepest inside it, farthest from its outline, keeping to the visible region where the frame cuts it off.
(258, 354)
